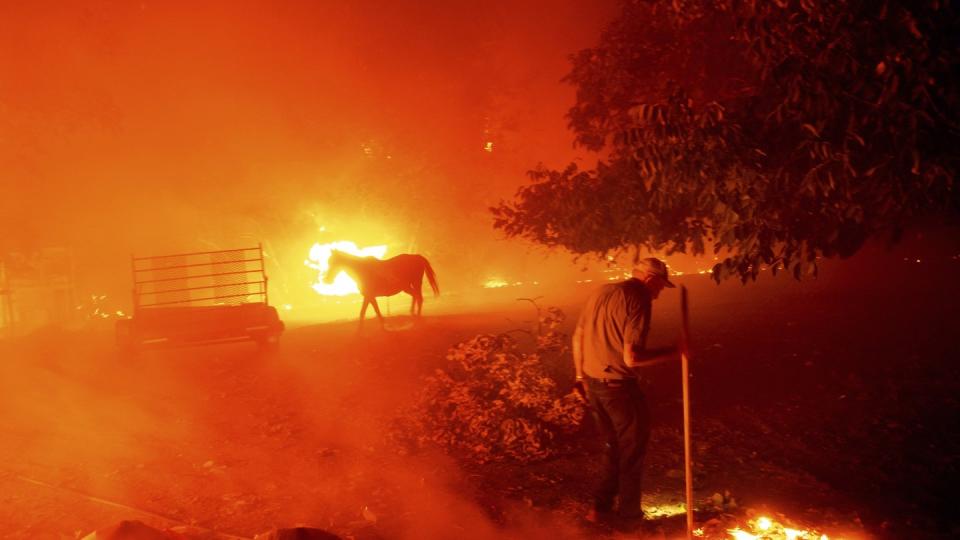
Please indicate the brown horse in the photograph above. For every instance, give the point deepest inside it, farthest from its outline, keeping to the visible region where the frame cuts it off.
(375, 277)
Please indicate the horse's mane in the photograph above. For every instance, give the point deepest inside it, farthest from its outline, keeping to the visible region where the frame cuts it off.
(346, 255)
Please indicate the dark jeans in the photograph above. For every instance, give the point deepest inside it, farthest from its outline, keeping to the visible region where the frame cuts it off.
(623, 420)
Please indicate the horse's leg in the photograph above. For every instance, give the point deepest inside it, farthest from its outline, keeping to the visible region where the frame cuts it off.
(363, 310)
(413, 302)
(423, 271)
(376, 308)
(418, 301)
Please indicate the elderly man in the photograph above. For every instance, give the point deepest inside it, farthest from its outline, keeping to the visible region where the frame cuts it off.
(609, 346)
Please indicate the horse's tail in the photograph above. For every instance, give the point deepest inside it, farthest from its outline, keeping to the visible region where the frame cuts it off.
(431, 277)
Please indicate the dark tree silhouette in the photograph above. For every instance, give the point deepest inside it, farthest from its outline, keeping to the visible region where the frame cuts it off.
(769, 132)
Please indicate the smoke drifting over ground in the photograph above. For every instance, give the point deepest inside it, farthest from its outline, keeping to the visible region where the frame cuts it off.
(224, 439)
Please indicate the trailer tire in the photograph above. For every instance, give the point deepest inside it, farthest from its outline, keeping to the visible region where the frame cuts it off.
(268, 344)
(126, 337)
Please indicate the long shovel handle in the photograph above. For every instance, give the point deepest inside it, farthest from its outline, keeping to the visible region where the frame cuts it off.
(685, 368)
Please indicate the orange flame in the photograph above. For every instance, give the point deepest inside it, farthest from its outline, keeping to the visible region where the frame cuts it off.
(319, 259)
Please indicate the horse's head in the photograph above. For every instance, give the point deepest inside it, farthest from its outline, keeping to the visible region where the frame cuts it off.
(334, 265)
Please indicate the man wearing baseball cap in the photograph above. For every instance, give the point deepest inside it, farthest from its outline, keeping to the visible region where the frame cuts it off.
(609, 348)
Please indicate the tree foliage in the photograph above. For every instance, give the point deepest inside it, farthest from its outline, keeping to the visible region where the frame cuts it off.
(772, 133)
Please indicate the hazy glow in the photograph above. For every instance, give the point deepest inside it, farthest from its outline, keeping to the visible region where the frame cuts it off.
(342, 284)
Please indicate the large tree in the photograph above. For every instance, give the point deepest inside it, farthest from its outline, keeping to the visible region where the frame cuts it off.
(770, 132)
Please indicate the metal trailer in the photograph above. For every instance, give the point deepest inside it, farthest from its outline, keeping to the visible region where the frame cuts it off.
(200, 298)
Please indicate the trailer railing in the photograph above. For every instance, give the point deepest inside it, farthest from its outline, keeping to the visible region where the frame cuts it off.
(225, 277)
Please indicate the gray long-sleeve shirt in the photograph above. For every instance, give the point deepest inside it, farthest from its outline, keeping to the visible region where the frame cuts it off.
(615, 315)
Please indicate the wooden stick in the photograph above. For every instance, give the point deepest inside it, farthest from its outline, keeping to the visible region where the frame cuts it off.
(685, 368)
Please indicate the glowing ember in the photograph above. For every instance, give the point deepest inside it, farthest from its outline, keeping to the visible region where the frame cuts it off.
(495, 283)
(342, 284)
(742, 535)
(97, 308)
(766, 528)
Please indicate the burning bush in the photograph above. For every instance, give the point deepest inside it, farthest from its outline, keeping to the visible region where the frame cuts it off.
(494, 402)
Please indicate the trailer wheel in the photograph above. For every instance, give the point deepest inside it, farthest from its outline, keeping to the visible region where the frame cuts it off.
(126, 339)
(269, 344)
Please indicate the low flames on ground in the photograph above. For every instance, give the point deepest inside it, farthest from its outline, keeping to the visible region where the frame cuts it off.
(759, 528)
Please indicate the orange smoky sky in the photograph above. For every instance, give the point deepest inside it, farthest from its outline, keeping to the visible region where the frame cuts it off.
(150, 127)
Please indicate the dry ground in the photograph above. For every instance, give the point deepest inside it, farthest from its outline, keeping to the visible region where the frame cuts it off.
(832, 402)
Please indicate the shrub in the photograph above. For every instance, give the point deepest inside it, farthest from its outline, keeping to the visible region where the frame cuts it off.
(493, 402)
